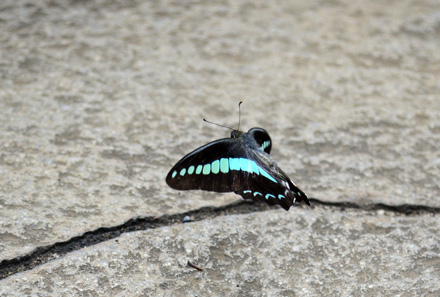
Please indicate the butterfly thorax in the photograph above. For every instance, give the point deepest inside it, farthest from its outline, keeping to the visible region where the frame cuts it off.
(250, 141)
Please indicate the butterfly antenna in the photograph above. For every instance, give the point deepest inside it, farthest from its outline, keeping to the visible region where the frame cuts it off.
(239, 115)
(218, 124)
(239, 118)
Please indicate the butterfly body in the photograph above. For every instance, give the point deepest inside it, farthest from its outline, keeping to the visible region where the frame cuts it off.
(241, 164)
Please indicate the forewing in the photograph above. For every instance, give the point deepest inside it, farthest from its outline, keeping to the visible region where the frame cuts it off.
(212, 167)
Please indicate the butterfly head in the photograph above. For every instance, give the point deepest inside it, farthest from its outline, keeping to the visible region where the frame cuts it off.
(236, 134)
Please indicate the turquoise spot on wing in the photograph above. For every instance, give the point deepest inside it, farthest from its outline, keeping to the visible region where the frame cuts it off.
(247, 191)
(215, 166)
(182, 172)
(224, 166)
(257, 193)
(254, 167)
(206, 169)
(191, 169)
(269, 195)
(244, 164)
(266, 175)
(281, 196)
(199, 169)
(234, 164)
(174, 174)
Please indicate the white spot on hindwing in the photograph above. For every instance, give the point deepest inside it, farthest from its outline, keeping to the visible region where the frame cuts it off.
(267, 196)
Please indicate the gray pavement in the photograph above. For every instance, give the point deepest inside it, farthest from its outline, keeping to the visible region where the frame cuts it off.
(304, 253)
(99, 99)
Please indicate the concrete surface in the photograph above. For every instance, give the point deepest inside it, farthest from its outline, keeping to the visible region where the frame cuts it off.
(301, 253)
(99, 99)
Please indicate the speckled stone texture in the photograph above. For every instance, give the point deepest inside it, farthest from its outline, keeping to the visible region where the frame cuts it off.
(98, 99)
(301, 253)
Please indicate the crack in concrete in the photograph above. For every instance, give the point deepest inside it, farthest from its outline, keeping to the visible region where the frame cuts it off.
(42, 255)
(406, 209)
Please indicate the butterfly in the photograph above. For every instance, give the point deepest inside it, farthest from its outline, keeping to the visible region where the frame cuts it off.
(241, 164)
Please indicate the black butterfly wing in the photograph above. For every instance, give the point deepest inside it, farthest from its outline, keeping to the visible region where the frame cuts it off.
(230, 165)
(271, 185)
(212, 167)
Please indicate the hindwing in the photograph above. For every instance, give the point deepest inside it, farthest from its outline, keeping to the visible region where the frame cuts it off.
(273, 188)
